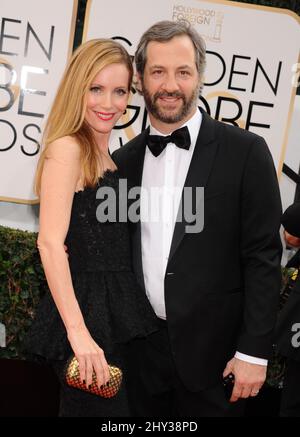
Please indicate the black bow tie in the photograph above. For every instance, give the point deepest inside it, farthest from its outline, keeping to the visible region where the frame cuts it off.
(180, 137)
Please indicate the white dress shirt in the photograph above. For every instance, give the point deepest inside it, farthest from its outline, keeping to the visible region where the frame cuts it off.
(162, 183)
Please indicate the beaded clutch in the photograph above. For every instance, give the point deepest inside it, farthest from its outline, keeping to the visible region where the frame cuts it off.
(107, 391)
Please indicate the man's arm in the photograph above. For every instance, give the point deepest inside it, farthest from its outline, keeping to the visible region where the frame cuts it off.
(260, 251)
(260, 258)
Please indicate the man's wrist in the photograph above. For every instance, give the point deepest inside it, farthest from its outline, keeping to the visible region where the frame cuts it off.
(251, 359)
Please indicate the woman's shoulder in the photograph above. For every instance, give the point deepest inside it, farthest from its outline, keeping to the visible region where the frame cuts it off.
(64, 147)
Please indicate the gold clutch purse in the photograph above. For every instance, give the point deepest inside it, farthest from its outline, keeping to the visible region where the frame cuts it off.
(107, 391)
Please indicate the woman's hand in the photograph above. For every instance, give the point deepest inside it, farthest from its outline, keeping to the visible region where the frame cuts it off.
(89, 355)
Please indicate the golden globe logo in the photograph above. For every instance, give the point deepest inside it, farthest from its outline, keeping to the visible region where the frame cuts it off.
(193, 15)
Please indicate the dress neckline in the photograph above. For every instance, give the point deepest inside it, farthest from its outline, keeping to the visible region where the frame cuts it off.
(106, 172)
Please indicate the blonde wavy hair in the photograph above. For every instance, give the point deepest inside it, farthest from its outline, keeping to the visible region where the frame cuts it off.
(67, 113)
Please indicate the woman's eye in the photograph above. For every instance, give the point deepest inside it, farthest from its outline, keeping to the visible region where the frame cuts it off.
(121, 92)
(95, 89)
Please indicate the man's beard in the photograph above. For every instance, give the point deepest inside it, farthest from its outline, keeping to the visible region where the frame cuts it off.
(187, 105)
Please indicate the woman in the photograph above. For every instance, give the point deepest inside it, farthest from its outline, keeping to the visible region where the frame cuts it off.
(98, 307)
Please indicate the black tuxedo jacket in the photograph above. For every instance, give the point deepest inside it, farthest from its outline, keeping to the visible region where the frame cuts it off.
(222, 284)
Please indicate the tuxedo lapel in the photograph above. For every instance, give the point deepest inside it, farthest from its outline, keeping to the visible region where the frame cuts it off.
(198, 173)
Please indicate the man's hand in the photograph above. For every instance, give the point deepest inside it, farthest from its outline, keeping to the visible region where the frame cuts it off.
(248, 378)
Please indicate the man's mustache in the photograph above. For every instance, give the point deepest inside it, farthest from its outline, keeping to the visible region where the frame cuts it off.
(166, 94)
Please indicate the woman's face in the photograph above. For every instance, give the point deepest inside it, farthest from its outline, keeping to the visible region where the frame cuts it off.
(107, 98)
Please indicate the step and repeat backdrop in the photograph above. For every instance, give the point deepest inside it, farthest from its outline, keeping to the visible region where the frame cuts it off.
(36, 39)
(251, 54)
(251, 77)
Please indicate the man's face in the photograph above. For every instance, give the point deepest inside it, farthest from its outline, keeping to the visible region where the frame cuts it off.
(171, 82)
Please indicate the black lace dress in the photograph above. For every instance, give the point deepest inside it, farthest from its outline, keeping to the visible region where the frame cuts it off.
(114, 308)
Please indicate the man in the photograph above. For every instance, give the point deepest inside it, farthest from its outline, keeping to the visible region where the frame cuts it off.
(215, 291)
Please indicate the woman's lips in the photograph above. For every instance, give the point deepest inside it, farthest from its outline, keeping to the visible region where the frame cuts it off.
(104, 116)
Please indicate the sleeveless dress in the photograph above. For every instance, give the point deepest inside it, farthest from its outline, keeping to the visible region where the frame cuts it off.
(114, 308)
